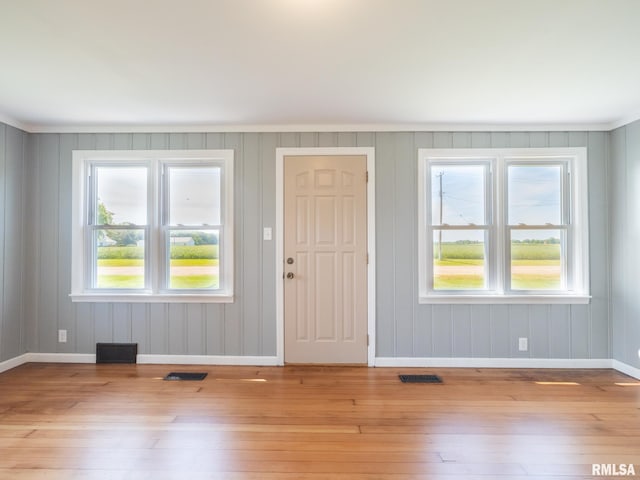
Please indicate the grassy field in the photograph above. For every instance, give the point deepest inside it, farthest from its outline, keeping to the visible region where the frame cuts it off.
(519, 251)
(131, 260)
(532, 264)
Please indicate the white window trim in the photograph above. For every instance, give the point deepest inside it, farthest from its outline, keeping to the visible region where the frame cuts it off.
(81, 164)
(579, 252)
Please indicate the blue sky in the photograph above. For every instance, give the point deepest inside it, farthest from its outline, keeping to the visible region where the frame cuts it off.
(534, 194)
(195, 194)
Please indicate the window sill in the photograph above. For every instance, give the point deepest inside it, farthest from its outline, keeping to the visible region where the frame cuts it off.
(150, 298)
(505, 299)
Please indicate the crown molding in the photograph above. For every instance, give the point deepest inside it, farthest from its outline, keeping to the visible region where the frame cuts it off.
(299, 128)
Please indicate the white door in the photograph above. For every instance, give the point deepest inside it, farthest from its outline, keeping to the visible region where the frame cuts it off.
(325, 259)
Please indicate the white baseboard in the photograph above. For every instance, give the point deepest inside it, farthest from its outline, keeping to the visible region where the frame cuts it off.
(441, 362)
(207, 360)
(445, 362)
(155, 359)
(60, 358)
(626, 369)
(13, 363)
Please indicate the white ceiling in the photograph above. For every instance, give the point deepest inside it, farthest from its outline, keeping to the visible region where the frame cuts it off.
(83, 65)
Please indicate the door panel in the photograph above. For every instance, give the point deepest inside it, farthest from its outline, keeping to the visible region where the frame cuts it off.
(325, 233)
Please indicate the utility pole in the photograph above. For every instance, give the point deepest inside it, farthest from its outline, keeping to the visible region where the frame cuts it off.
(440, 175)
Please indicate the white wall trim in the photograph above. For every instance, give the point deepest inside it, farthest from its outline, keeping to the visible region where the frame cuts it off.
(626, 369)
(207, 360)
(446, 362)
(369, 152)
(13, 362)
(358, 127)
(398, 362)
(60, 358)
(142, 359)
(12, 122)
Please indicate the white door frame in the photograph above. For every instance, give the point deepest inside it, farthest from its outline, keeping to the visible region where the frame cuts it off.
(369, 152)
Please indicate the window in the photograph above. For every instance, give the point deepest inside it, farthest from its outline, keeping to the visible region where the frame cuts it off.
(503, 225)
(153, 226)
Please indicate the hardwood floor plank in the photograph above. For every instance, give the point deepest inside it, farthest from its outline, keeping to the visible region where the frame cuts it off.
(97, 422)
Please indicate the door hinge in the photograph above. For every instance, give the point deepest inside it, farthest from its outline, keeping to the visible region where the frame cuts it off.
(366, 176)
(367, 259)
(367, 340)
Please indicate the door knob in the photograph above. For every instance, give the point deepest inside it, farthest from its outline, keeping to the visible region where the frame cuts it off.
(290, 275)
(290, 260)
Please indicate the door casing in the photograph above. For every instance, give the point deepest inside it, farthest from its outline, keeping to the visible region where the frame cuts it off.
(369, 152)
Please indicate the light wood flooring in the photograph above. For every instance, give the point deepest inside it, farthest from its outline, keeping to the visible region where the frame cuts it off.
(117, 422)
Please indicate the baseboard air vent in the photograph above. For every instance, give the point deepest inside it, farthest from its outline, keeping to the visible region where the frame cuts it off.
(116, 352)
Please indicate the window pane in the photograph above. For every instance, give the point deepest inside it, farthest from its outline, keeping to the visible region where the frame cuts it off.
(194, 196)
(458, 195)
(120, 258)
(535, 194)
(459, 260)
(194, 261)
(121, 196)
(537, 257)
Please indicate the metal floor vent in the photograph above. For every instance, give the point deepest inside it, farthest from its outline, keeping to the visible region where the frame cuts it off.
(116, 352)
(185, 376)
(420, 378)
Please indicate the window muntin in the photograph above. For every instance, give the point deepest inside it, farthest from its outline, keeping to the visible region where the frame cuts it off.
(156, 226)
(523, 235)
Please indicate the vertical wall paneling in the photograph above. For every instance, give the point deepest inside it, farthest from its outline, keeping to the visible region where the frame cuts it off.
(405, 233)
(12, 213)
(618, 234)
(442, 340)
(309, 140)
(599, 245)
(347, 139)
(268, 142)
(66, 314)
(560, 325)
(500, 333)
(247, 326)
(121, 322)
(234, 321)
(461, 330)
(252, 240)
(140, 327)
(30, 276)
(177, 335)
(627, 294)
(386, 254)
(195, 338)
(3, 252)
(539, 331)
(48, 228)
(158, 325)
(480, 321)
(518, 328)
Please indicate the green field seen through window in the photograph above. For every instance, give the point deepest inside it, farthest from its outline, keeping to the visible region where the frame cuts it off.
(190, 267)
(534, 266)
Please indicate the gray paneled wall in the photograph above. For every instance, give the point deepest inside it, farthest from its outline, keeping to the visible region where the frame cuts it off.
(625, 245)
(247, 327)
(12, 215)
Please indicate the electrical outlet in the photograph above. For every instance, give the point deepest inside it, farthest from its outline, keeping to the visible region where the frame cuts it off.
(62, 336)
(267, 233)
(523, 344)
